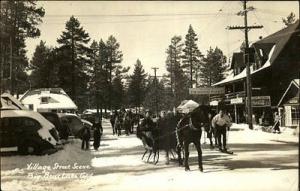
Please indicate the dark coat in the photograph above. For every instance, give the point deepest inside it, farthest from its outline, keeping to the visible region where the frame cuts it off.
(97, 134)
(86, 133)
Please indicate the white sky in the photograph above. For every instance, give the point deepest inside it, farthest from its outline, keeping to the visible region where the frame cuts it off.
(144, 29)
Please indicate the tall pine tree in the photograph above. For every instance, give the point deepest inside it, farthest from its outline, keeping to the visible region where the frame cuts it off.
(136, 91)
(213, 68)
(43, 67)
(178, 80)
(19, 21)
(192, 55)
(73, 43)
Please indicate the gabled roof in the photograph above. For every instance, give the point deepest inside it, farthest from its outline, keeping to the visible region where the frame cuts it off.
(272, 46)
(10, 102)
(57, 99)
(242, 75)
(295, 83)
(237, 60)
(280, 38)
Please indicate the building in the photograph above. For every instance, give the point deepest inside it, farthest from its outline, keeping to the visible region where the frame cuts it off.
(48, 100)
(276, 63)
(288, 105)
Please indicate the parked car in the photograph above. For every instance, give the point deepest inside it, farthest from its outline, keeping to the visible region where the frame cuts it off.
(75, 124)
(55, 119)
(27, 132)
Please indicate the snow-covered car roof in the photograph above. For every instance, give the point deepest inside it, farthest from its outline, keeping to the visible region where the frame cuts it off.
(46, 125)
(87, 122)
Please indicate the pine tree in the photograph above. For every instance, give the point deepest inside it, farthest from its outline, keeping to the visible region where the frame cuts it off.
(213, 68)
(73, 43)
(117, 91)
(136, 91)
(112, 65)
(178, 80)
(192, 55)
(43, 67)
(19, 21)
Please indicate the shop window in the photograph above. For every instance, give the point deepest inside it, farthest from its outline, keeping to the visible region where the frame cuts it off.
(295, 112)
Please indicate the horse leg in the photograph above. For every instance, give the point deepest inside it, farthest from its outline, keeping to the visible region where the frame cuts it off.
(149, 155)
(173, 156)
(157, 157)
(198, 146)
(167, 157)
(179, 155)
(144, 153)
(186, 156)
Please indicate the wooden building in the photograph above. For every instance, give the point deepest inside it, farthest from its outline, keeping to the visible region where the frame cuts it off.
(288, 105)
(276, 64)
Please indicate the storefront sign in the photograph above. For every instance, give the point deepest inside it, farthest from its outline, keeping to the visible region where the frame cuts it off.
(238, 100)
(261, 101)
(206, 90)
(214, 103)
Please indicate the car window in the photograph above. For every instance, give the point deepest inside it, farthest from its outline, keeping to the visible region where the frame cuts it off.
(29, 124)
(20, 124)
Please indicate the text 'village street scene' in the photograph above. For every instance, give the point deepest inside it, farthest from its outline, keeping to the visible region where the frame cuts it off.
(149, 95)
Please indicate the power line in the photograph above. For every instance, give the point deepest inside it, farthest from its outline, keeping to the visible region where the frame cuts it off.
(136, 15)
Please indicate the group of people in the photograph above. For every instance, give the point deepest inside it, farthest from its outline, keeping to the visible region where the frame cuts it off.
(167, 121)
(122, 120)
(97, 134)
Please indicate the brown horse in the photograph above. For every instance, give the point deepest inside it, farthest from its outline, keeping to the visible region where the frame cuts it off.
(189, 131)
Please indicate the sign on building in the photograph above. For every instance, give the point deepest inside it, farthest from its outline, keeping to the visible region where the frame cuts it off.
(206, 90)
(238, 100)
(261, 101)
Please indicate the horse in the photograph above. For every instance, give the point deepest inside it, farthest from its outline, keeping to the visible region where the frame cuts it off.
(149, 144)
(161, 137)
(188, 131)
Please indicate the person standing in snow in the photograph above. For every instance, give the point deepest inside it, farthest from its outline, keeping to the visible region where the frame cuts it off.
(221, 122)
(98, 131)
(113, 116)
(86, 135)
(147, 127)
(277, 118)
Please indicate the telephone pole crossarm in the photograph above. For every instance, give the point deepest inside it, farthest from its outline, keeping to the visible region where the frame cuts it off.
(243, 27)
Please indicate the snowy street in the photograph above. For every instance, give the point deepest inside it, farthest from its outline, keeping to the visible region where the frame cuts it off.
(261, 161)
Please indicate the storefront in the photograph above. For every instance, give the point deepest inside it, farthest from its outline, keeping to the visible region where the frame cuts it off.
(288, 105)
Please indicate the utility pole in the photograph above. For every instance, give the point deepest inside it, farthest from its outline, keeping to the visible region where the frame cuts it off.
(246, 29)
(155, 84)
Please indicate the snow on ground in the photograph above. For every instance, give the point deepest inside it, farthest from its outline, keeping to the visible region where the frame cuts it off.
(261, 161)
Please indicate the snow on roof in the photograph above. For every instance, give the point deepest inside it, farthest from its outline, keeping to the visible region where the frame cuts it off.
(46, 125)
(55, 100)
(10, 102)
(295, 82)
(232, 78)
(93, 111)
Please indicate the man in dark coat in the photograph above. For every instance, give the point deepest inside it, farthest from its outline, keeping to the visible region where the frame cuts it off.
(86, 135)
(147, 127)
(98, 131)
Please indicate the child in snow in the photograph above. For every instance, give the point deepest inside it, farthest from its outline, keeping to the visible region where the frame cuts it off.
(86, 135)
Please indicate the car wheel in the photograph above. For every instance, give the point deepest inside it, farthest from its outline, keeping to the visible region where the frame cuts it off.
(28, 147)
